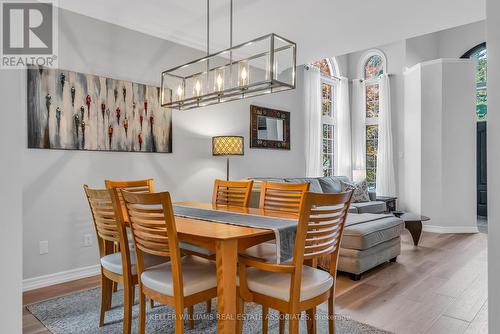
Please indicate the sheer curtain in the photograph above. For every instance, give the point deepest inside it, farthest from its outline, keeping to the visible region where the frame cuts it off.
(312, 108)
(358, 130)
(386, 181)
(344, 129)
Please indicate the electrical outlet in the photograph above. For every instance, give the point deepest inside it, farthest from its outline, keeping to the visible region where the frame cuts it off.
(44, 247)
(87, 240)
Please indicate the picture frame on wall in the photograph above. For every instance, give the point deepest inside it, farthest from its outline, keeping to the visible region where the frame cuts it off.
(75, 111)
(269, 128)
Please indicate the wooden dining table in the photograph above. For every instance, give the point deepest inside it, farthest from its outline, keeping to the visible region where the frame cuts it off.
(225, 240)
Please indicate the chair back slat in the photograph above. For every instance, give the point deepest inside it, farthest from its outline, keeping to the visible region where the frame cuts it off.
(134, 186)
(103, 214)
(149, 221)
(233, 193)
(282, 196)
(321, 225)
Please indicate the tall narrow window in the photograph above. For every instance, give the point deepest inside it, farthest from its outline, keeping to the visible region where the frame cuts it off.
(328, 116)
(480, 54)
(373, 66)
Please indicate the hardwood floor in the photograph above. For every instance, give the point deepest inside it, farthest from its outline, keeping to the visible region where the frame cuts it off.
(438, 287)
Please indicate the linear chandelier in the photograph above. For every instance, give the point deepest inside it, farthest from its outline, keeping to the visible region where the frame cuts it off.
(263, 65)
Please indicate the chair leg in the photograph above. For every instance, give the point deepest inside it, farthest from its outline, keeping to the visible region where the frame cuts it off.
(127, 308)
(240, 307)
(331, 314)
(191, 316)
(151, 303)
(142, 312)
(293, 323)
(282, 322)
(179, 320)
(115, 286)
(311, 321)
(209, 305)
(265, 318)
(106, 295)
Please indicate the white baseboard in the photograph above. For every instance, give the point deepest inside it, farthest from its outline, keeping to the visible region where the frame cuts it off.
(450, 229)
(60, 277)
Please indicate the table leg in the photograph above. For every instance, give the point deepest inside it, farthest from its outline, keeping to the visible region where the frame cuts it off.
(415, 229)
(226, 259)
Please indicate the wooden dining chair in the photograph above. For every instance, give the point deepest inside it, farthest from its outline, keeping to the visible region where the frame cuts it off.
(145, 185)
(116, 266)
(233, 193)
(181, 282)
(296, 286)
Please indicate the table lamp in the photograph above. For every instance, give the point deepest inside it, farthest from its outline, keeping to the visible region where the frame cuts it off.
(226, 146)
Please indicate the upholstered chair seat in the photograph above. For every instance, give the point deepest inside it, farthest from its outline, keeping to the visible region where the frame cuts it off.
(265, 252)
(277, 285)
(113, 262)
(198, 275)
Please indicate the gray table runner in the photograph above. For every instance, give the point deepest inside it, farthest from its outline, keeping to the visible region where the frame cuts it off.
(283, 228)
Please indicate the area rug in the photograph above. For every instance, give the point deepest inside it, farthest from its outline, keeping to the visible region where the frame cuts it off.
(79, 313)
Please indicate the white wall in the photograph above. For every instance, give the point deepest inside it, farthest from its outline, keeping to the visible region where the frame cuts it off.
(11, 148)
(449, 43)
(440, 134)
(54, 206)
(493, 33)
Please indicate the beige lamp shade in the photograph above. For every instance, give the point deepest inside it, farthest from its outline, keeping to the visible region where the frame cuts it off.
(227, 145)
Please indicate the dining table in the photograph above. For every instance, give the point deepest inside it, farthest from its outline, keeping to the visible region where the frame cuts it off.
(226, 241)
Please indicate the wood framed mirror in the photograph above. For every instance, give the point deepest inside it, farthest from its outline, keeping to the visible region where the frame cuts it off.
(269, 128)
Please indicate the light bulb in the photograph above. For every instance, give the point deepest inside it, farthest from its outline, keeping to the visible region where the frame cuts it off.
(180, 91)
(243, 74)
(197, 87)
(219, 82)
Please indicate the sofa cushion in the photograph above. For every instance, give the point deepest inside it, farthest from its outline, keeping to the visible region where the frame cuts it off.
(365, 235)
(360, 191)
(332, 184)
(314, 186)
(370, 207)
(358, 261)
(269, 179)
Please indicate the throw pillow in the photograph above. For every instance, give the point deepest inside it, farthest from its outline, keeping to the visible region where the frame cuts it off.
(360, 191)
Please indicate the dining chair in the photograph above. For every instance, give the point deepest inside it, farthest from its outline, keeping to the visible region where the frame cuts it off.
(145, 185)
(116, 266)
(180, 282)
(233, 193)
(297, 285)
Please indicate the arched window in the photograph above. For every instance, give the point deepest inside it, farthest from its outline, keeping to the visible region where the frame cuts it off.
(480, 54)
(372, 66)
(328, 70)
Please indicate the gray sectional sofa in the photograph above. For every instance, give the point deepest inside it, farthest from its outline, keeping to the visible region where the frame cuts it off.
(371, 236)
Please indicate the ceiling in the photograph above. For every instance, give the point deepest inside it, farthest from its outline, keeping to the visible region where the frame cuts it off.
(319, 27)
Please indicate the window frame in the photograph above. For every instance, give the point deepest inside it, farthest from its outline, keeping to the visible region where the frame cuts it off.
(330, 120)
(370, 121)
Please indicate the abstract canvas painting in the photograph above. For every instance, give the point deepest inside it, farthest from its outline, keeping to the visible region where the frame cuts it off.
(76, 111)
